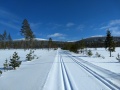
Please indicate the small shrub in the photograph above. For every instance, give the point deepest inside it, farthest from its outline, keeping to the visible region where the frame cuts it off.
(14, 61)
(97, 54)
(0, 72)
(118, 57)
(6, 65)
(89, 53)
(103, 57)
(30, 55)
(55, 48)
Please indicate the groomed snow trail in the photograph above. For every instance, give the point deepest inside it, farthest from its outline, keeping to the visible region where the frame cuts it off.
(110, 79)
(68, 73)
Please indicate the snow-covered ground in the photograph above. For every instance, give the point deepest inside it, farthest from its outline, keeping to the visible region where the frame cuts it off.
(62, 70)
(31, 75)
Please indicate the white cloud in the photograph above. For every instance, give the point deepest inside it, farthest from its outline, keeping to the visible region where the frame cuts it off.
(56, 35)
(113, 26)
(70, 24)
(114, 22)
(116, 32)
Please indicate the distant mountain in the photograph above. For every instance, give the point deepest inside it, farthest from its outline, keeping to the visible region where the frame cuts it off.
(99, 38)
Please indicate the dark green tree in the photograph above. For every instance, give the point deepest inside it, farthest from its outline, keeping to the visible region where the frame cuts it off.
(82, 46)
(27, 32)
(5, 35)
(30, 55)
(109, 42)
(4, 38)
(9, 40)
(50, 43)
(41, 44)
(74, 48)
(14, 61)
(0, 72)
(89, 53)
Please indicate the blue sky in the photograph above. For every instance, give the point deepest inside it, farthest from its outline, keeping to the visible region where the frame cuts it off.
(64, 20)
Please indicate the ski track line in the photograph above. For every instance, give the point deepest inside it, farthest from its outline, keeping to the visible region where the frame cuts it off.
(96, 75)
(63, 80)
(66, 78)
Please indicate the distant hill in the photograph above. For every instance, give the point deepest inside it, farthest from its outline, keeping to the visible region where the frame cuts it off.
(100, 38)
(98, 41)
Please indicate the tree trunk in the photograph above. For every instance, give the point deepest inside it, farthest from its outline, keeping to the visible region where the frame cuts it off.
(110, 53)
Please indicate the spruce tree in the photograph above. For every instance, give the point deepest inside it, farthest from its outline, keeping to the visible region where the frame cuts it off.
(14, 61)
(4, 38)
(109, 42)
(82, 46)
(49, 43)
(27, 32)
(30, 56)
(9, 40)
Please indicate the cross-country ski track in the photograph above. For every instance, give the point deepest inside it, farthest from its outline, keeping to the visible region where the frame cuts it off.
(69, 72)
(61, 70)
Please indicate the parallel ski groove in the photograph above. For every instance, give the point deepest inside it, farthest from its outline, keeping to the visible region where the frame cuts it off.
(96, 75)
(67, 85)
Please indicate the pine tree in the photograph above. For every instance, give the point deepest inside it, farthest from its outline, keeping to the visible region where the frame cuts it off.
(49, 43)
(41, 44)
(109, 42)
(5, 35)
(30, 56)
(4, 38)
(82, 46)
(27, 32)
(9, 40)
(14, 61)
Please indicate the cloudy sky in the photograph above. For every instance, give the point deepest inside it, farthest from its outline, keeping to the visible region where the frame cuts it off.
(64, 20)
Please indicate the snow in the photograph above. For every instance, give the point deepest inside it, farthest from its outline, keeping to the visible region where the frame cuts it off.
(30, 75)
(62, 70)
(40, 39)
(109, 63)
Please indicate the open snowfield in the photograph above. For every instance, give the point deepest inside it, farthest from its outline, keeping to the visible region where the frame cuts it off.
(31, 75)
(62, 70)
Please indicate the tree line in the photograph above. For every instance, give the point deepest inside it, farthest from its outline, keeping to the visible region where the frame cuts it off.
(6, 41)
(30, 42)
(109, 44)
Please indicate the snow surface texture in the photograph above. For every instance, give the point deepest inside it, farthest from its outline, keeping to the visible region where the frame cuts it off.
(31, 75)
(69, 72)
(62, 70)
